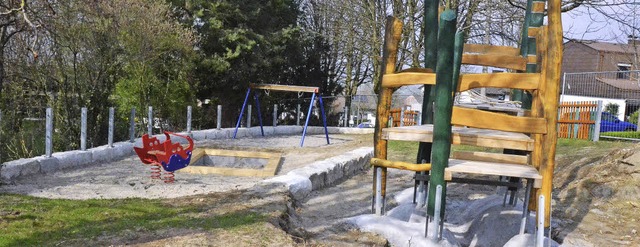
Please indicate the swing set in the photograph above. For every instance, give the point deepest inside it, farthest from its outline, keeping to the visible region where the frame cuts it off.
(286, 88)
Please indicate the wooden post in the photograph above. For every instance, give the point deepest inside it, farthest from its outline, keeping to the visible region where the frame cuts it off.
(393, 32)
(402, 117)
(431, 53)
(249, 116)
(132, 125)
(346, 116)
(189, 119)
(219, 118)
(551, 91)
(111, 126)
(83, 129)
(150, 121)
(443, 108)
(49, 132)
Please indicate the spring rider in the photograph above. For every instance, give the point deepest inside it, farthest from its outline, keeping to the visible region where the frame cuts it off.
(165, 155)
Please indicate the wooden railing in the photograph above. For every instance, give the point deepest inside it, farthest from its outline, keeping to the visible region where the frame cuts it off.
(409, 117)
(578, 120)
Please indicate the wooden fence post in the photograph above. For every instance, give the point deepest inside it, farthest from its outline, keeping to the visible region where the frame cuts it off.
(49, 132)
(219, 118)
(150, 121)
(111, 126)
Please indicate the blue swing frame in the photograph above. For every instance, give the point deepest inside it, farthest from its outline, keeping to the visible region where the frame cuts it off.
(300, 89)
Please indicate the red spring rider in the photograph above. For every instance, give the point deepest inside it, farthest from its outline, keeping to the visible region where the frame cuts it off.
(168, 155)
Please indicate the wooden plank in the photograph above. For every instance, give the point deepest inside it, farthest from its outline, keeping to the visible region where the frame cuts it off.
(526, 81)
(401, 165)
(491, 49)
(496, 60)
(270, 169)
(408, 78)
(418, 70)
(491, 157)
(532, 59)
(239, 153)
(496, 169)
(497, 121)
(538, 7)
(533, 31)
(288, 88)
(463, 136)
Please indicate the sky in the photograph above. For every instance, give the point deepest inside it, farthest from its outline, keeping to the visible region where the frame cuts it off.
(586, 23)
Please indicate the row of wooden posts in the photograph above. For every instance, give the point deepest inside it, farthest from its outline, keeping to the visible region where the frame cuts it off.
(132, 134)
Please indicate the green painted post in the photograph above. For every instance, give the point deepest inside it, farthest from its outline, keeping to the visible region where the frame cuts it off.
(443, 107)
(430, 27)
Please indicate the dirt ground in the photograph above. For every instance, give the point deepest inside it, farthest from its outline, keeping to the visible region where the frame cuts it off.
(596, 197)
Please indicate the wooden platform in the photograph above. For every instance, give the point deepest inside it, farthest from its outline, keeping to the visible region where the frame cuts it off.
(462, 136)
(497, 169)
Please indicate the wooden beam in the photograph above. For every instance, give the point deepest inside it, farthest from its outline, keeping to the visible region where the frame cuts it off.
(287, 88)
(525, 81)
(408, 78)
(491, 49)
(533, 31)
(538, 7)
(497, 121)
(495, 169)
(463, 136)
(401, 165)
(496, 60)
(270, 169)
(491, 157)
(418, 70)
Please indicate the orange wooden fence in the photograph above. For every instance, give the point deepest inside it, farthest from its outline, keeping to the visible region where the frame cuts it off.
(577, 119)
(409, 117)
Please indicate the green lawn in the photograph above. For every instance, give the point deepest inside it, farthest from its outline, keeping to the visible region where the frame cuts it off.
(30, 221)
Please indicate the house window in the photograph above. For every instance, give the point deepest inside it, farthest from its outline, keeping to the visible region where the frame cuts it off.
(623, 70)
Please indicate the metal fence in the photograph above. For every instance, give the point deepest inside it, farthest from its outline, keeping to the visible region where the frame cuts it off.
(38, 132)
(621, 88)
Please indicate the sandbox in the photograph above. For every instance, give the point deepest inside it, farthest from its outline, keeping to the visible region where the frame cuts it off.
(130, 178)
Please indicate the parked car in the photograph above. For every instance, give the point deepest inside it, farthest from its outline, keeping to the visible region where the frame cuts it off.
(365, 125)
(610, 122)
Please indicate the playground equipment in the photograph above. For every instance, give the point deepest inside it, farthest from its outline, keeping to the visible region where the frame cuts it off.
(167, 155)
(287, 88)
(528, 141)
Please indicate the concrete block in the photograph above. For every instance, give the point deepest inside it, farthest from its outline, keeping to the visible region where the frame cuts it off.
(255, 132)
(199, 135)
(298, 186)
(288, 130)
(48, 164)
(13, 169)
(223, 134)
(72, 159)
(102, 154)
(31, 167)
(122, 150)
(242, 133)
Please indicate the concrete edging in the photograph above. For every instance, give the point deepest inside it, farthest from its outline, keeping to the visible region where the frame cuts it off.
(11, 170)
(302, 181)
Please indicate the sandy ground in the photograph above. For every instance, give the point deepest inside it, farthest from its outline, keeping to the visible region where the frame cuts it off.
(130, 178)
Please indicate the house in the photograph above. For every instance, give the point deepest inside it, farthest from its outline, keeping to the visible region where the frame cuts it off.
(602, 71)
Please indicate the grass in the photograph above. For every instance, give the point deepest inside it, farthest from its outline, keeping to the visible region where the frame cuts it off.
(624, 134)
(30, 221)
